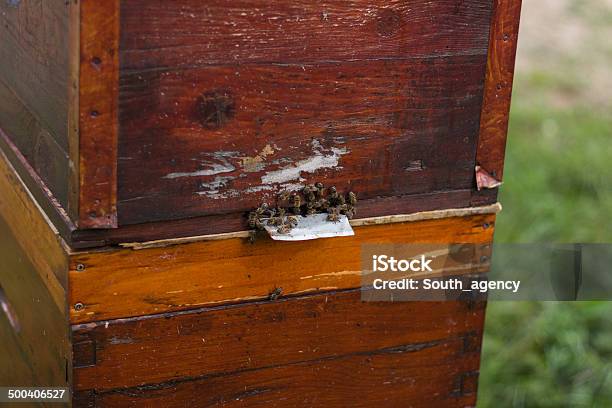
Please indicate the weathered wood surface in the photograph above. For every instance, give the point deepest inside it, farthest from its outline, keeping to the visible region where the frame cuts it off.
(355, 222)
(498, 86)
(98, 113)
(328, 349)
(34, 86)
(123, 283)
(41, 242)
(437, 375)
(35, 348)
(222, 139)
(182, 102)
(222, 223)
(38, 148)
(223, 105)
(74, 120)
(194, 33)
(169, 347)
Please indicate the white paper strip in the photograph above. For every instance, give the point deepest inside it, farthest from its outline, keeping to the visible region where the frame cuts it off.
(313, 227)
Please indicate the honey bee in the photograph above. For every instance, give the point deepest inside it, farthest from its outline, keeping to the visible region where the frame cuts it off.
(255, 218)
(310, 208)
(333, 214)
(352, 198)
(332, 196)
(261, 209)
(252, 219)
(322, 204)
(296, 200)
(284, 196)
(292, 221)
(274, 221)
(275, 293)
(309, 194)
(284, 229)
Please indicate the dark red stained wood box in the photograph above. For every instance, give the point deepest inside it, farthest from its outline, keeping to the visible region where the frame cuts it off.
(147, 119)
(158, 125)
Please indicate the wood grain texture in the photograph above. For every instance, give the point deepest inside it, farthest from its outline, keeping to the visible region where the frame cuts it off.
(328, 350)
(223, 139)
(123, 283)
(260, 335)
(37, 188)
(32, 229)
(221, 223)
(498, 86)
(355, 222)
(98, 113)
(195, 33)
(394, 378)
(35, 350)
(74, 62)
(34, 86)
(37, 147)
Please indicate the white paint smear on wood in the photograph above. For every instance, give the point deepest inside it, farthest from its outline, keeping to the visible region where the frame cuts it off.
(316, 162)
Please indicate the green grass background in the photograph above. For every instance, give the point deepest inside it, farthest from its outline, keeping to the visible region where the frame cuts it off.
(557, 188)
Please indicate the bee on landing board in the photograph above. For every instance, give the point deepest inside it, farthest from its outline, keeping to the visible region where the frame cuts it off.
(333, 214)
(284, 229)
(296, 200)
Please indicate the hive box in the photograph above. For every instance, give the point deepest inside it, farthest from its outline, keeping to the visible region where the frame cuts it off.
(136, 134)
(139, 120)
(195, 323)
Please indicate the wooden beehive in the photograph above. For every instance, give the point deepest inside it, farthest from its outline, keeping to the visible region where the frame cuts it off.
(162, 124)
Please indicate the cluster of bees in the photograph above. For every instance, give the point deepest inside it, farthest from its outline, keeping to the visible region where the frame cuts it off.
(312, 199)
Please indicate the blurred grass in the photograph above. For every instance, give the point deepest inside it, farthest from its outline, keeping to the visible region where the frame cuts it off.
(558, 184)
(557, 188)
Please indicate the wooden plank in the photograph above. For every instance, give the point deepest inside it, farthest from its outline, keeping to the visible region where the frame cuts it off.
(259, 335)
(222, 223)
(74, 62)
(123, 283)
(15, 369)
(416, 375)
(498, 86)
(38, 351)
(356, 222)
(381, 379)
(27, 221)
(34, 86)
(34, 61)
(35, 144)
(98, 112)
(195, 33)
(37, 188)
(381, 128)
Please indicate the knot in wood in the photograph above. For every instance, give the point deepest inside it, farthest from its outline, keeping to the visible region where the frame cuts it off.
(215, 108)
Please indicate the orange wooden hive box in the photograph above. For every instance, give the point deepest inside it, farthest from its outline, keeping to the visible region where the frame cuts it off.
(135, 137)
